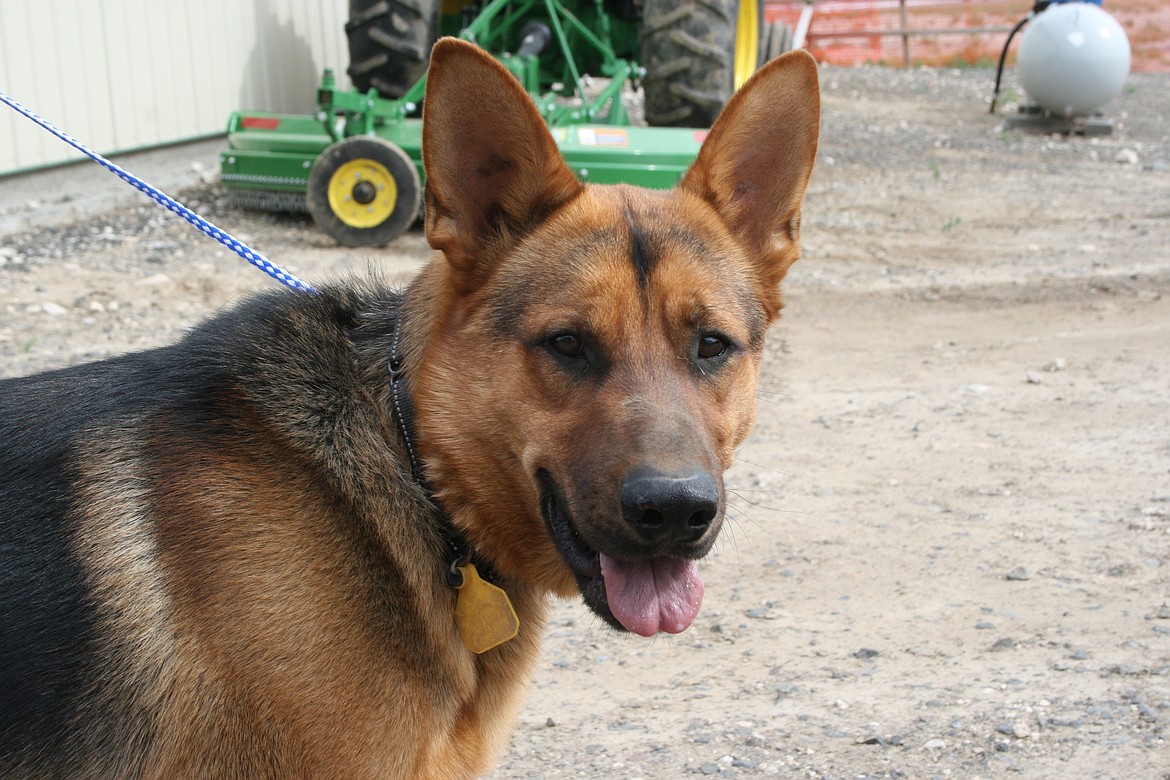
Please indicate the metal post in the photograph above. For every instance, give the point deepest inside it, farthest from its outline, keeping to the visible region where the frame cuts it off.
(802, 25)
(905, 35)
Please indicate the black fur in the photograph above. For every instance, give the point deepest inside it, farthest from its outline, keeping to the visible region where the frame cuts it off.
(307, 369)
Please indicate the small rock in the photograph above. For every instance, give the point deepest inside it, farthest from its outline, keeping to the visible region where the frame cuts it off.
(1017, 729)
(1127, 157)
(983, 625)
(1145, 712)
(152, 280)
(1017, 574)
(1059, 364)
(1034, 378)
(550, 723)
(934, 744)
(1005, 643)
(762, 613)
(206, 175)
(54, 309)
(866, 652)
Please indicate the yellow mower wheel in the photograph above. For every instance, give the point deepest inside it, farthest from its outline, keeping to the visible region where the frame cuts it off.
(364, 191)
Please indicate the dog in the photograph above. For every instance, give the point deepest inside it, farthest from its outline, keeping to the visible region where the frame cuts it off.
(316, 537)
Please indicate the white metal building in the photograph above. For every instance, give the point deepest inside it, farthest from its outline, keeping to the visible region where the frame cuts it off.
(123, 75)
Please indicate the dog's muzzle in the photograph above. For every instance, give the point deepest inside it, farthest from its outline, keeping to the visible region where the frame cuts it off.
(645, 580)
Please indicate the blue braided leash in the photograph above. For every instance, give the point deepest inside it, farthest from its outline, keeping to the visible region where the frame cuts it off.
(161, 198)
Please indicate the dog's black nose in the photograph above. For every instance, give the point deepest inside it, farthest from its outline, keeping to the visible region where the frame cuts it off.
(669, 507)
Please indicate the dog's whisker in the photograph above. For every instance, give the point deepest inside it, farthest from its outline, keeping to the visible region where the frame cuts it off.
(738, 530)
(742, 517)
(742, 459)
(769, 508)
(775, 393)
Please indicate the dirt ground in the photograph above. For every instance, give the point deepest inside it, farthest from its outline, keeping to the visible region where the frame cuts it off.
(949, 547)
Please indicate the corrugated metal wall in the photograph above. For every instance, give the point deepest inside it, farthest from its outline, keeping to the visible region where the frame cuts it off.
(126, 74)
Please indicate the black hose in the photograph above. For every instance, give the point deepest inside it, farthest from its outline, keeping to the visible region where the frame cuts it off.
(1037, 7)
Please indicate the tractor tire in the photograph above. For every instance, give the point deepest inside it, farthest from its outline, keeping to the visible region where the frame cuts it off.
(779, 40)
(696, 54)
(364, 191)
(390, 43)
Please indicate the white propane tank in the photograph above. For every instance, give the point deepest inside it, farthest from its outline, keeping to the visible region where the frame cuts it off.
(1073, 58)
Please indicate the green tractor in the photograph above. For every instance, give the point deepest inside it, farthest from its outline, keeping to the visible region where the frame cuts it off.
(356, 163)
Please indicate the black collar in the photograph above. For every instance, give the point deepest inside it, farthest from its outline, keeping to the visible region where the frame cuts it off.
(402, 408)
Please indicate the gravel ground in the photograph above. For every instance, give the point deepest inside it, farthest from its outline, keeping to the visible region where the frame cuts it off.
(950, 548)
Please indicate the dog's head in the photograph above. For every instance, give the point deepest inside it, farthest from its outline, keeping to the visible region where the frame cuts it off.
(592, 361)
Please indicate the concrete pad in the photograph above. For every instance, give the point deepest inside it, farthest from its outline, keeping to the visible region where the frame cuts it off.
(82, 189)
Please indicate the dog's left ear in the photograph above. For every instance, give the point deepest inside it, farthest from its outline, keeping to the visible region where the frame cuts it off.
(754, 166)
(493, 170)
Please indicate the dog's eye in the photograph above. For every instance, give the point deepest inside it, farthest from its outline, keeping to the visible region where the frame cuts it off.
(568, 344)
(711, 347)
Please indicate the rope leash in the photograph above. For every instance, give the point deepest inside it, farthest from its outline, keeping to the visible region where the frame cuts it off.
(161, 198)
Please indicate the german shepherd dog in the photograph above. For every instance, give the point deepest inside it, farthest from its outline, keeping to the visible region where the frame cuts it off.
(246, 555)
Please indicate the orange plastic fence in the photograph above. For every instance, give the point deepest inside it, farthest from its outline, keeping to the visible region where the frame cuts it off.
(958, 32)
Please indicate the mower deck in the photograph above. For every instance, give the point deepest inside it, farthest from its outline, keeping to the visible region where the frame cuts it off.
(269, 156)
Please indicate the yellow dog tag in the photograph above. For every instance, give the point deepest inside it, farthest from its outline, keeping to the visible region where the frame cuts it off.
(483, 612)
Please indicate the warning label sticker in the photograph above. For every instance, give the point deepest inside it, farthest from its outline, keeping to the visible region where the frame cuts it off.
(603, 136)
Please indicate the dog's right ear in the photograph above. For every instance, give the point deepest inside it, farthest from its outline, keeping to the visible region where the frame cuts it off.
(493, 170)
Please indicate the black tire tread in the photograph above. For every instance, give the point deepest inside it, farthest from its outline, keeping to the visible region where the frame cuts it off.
(688, 51)
(389, 43)
(778, 40)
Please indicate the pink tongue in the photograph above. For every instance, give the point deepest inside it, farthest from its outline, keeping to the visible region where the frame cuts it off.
(653, 594)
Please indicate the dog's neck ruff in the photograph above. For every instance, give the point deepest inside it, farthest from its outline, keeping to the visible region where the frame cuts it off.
(403, 414)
